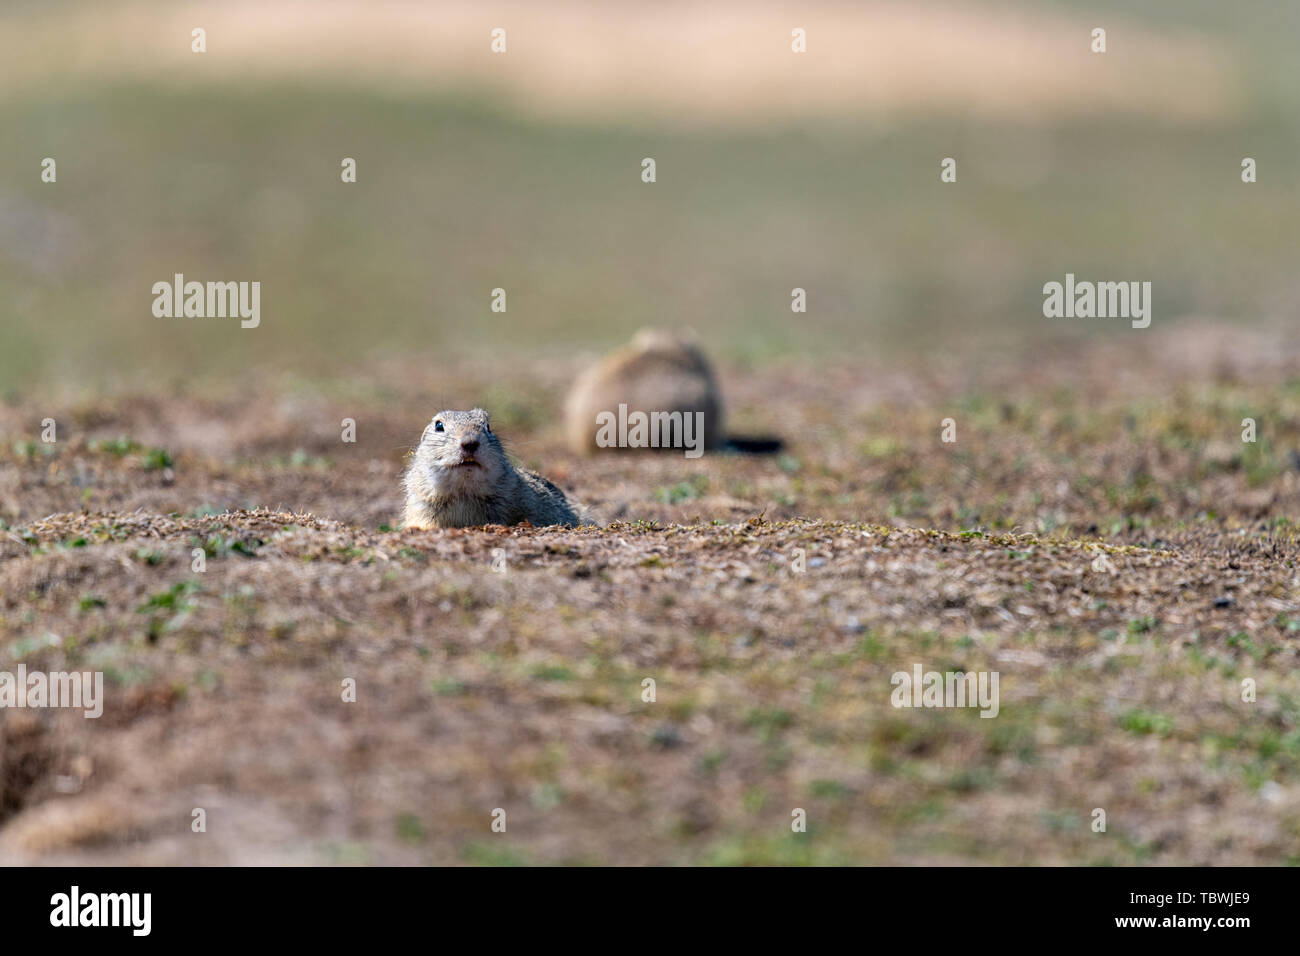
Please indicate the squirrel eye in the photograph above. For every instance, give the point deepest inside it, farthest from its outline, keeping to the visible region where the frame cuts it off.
(437, 426)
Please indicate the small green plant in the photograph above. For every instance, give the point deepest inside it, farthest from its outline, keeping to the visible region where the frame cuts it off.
(119, 447)
(410, 829)
(553, 672)
(302, 459)
(156, 459)
(1146, 722)
(172, 598)
(687, 490)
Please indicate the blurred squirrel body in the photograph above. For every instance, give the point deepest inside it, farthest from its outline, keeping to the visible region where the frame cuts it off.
(658, 372)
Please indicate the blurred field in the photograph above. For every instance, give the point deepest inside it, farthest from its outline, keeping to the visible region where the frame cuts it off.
(522, 690)
(211, 166)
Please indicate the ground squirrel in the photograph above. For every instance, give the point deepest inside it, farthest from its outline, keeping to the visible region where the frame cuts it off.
(459, 476)
(659, 371)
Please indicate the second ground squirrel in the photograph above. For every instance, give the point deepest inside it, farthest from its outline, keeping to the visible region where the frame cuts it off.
(660, 371)
(459, 476)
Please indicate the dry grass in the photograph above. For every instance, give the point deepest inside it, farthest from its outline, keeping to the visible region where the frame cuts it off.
(1120, 688)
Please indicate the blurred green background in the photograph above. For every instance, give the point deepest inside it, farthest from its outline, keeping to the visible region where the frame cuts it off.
(226, 167)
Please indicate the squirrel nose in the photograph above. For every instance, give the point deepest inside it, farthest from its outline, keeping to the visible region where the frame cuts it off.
(470, 446)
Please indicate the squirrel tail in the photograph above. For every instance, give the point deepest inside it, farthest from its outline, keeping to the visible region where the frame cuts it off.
(754, 445)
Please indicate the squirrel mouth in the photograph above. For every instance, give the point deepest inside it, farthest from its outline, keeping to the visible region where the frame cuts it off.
(467, 463)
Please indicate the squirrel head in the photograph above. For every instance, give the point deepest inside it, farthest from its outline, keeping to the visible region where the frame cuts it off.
(653, 339)
(459, 452)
